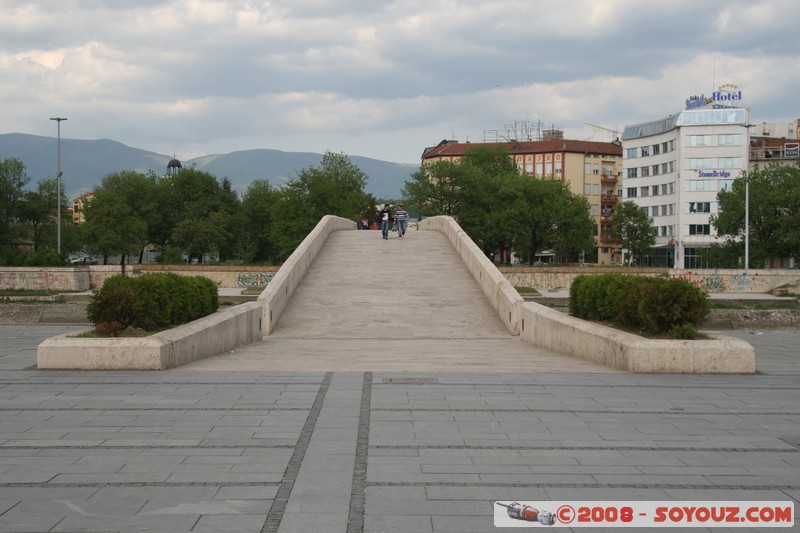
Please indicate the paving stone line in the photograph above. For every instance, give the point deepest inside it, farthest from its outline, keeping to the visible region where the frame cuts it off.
(275, 514)
(583, 448)
(355, 518)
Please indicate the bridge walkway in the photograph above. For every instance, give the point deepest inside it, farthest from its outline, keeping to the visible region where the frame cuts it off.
(368, 304)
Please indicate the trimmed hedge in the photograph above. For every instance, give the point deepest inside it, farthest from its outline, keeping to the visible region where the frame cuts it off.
(151, 301)
(652, 305)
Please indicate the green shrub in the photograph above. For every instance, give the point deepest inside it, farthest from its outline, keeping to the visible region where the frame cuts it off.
(152, 301)
(683, 332)
(652, 305)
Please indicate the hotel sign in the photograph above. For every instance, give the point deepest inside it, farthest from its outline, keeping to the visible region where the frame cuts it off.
(791, 150)
(725, 96)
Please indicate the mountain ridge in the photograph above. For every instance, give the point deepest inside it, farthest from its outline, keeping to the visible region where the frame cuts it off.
(85, 163)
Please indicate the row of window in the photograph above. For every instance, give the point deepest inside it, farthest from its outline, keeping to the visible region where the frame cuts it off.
(703, 163)
(651, 170)
(651, 190)
(710, 185)
(731, 139)
(548, 168)
(653, 149)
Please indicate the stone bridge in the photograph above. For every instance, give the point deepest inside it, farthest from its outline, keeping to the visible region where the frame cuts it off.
(351, 301)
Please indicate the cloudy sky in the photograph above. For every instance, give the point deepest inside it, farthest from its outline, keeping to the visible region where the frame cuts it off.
(380, 78)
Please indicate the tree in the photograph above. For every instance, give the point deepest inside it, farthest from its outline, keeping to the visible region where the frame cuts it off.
(255, 219)
(542, 214)
(36, 211)
(774, 216)
(120, 214)
(434, 189)
(13, 180)
(632, 227)
(335, 188)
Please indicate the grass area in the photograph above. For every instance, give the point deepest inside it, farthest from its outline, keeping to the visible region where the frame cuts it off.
(29, 292)
(755, 305)
(527, 290)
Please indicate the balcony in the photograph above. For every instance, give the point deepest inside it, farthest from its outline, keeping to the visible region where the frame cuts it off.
(609, 178)
(608, 199)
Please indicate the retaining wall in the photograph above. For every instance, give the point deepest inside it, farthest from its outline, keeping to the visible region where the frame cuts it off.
(211, 335)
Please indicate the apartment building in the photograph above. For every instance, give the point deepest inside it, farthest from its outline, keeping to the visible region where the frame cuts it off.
(673, 168)
(591, 169)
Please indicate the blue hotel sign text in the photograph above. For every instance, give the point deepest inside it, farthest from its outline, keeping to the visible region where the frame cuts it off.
(727, 96)
(713, 174)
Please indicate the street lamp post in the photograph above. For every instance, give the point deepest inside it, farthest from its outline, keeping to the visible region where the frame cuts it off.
(58, 184)
(747, 200)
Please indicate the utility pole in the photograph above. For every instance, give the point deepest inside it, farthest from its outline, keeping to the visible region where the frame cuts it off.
(58, 184)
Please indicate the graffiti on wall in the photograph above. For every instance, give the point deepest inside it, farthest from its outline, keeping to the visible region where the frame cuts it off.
(254, 279)
(716, 283)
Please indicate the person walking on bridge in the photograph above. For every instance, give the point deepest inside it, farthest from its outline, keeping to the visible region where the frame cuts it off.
(401, 217)
(386, 221)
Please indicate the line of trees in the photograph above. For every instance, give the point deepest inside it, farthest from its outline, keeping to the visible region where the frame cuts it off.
(186, 216)
(193, 215)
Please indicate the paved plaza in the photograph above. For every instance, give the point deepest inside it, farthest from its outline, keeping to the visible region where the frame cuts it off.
(393, 433)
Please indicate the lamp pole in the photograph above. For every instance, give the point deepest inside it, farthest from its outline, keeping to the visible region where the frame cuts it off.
(747, 201)
(58, 183)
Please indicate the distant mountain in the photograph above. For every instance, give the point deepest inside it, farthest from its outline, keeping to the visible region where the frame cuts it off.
(85, 163)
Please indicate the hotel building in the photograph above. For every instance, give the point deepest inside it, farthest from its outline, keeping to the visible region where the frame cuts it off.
(673, 169)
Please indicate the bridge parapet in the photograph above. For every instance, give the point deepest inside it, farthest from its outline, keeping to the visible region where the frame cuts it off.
(503, 297)
(277, 294)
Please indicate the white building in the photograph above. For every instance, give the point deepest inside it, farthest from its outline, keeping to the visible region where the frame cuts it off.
(674, 167)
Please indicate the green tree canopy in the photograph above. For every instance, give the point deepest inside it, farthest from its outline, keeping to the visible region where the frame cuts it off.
(335, 188)
(118, 215)
(13, 180)
(632, 227)
(774, 216)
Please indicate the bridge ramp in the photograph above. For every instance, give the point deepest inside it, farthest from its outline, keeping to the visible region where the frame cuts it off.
(369, 304)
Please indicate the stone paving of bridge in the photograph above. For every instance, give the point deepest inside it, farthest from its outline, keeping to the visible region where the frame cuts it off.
(402, 448)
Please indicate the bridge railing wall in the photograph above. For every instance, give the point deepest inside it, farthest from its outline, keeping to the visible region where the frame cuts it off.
(505, 300)
(277, 294)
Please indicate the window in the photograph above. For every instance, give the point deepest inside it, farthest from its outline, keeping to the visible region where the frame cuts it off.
(631, 153)
(665, 147)
(645, 151)
(595, 210)
(699, 229)
(645, 191)
(539, 169)
(699, 207)
(529, 168)
(663, 210)
(631, 192)
(558, 168)
(548, 168)
(596, 189)
(654, 211)
(664, 168)
(701, 185)
(663, 188)
(696, 163)
(699, 140)
(645, 171)
(633, 172)
(655, 190)
(656, 149)
(672, 187)
(730, 162)
(671, 212)
(725, 185)
(655, 170)
(587, 168)
(732, 139)
(587, 189)
(672, 145)
(596, 168)
(672, 166)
